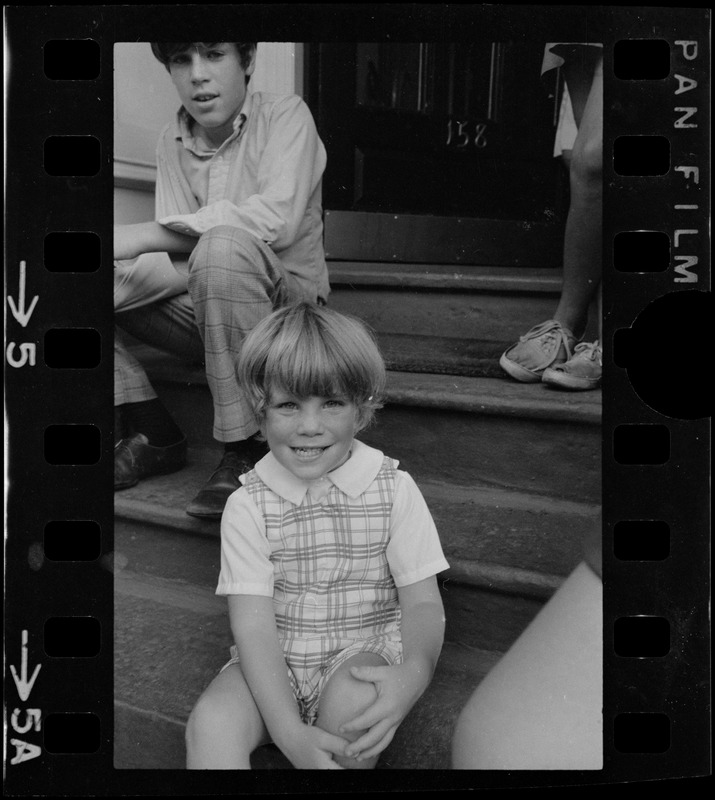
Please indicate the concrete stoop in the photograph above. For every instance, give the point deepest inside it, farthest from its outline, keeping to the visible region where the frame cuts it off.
(463, 430)
(172, 636)
(511, 473)
(490, 304)
(495, 539)
(148, 739)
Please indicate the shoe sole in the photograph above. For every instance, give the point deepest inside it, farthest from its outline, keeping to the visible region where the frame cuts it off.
(196, 510)
(519, 373)
(119, 486)
(163, 471)
(563, 380)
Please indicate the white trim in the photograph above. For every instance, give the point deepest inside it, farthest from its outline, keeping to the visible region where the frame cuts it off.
(279, 68)
(134, 174)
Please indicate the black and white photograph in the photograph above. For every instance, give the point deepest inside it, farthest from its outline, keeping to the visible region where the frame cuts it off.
(388, 283)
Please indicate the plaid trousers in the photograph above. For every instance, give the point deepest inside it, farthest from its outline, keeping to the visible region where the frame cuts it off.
(234, 280)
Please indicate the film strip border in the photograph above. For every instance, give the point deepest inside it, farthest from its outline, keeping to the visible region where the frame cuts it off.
(58, 354)
(58, 365)
(656, 432)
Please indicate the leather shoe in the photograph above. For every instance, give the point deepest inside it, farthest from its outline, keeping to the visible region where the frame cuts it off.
(211, 500)
(135, 458)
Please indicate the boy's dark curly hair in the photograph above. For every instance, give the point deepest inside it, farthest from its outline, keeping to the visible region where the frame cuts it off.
(165, 51)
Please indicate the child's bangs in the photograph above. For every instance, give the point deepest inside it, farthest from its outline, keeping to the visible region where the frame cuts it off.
(304, 367)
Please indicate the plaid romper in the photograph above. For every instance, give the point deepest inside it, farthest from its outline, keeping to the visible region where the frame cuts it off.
(334, 595)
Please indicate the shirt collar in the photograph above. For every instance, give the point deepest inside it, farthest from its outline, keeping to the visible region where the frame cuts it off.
(352, 478)
(196, 146)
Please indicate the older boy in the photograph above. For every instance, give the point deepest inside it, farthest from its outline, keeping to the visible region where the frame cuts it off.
(239, 192)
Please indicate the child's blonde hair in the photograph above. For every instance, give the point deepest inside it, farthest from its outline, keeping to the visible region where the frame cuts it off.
(307, 350)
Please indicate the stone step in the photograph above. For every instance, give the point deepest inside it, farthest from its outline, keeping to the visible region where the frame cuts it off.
(494, 305)
(442, 355)
(451, 277)
(461, 430)
(516, 544)
(494, 460)
(172, 635)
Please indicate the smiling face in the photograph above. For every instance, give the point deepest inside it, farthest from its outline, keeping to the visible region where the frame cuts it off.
(309, 436)
(211, 83)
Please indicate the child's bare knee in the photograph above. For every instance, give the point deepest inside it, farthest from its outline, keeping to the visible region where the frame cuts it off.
(205, 719)
(344, 699)
(348, 700)
(222, 731)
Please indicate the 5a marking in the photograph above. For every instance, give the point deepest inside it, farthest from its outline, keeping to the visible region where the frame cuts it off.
(25, 751)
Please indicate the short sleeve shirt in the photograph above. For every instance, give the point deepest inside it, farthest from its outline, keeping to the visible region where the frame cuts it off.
(338, 558)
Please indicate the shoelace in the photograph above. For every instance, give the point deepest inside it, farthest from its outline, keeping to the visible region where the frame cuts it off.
(232, 462)
(591, 350)
(124, 443)
(552, 332)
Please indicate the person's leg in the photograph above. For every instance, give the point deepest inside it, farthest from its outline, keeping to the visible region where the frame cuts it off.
(138, 284)
(540, 707)
(582, 262)
(167, 325)
(552, 343)
(225, 726)
(147, 440)
(343, 699)
(147, 279)
(235, 280)
(131, 384)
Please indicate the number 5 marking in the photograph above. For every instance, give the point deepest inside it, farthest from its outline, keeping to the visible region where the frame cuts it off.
(28, 352)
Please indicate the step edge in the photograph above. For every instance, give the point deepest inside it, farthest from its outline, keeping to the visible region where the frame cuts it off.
(156, 716)
(347, 275)
(480, 495)
(167, 517)
(500, 578)
(487, 403)
(435, 490)
(500, 497)
(496, 577)
(481, 401)
(449, 649)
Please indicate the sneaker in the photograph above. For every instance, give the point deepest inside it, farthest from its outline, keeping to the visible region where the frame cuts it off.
(544, 346)
(582, 371)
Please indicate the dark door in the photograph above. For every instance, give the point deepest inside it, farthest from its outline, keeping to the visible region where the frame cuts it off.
(458, 135)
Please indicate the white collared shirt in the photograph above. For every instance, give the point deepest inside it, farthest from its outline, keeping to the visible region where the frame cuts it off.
(413, 551)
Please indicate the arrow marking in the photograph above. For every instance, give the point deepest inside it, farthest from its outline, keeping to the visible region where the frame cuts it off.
(18, 311)
(24, 687)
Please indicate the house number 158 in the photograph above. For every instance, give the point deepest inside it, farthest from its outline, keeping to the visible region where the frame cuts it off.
(464, 134)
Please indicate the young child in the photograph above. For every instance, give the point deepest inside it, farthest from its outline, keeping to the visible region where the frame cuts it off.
(329, 558)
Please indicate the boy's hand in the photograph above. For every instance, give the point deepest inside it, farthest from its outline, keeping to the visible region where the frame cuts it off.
(398, 689)
(313, 748)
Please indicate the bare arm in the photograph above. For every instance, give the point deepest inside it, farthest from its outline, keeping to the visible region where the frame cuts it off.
(133, 240)
(422, 625)
(264, 668)
(399, 687)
